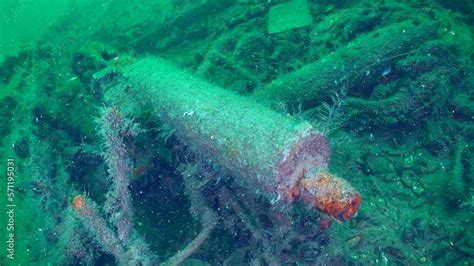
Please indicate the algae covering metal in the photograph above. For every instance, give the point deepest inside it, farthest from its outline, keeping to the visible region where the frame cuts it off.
(257, 144)
(361, 63)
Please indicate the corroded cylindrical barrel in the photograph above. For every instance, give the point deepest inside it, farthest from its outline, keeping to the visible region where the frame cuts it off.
(360, 63)
(258, 145)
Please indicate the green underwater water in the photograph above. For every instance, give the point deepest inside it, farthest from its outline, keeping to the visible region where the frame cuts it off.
(389, 83)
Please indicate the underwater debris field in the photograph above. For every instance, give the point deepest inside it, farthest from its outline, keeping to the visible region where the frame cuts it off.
(237, 132)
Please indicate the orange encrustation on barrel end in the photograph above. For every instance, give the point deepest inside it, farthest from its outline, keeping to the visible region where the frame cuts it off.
(331, 195)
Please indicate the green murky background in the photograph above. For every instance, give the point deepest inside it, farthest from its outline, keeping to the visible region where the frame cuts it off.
(401, 127)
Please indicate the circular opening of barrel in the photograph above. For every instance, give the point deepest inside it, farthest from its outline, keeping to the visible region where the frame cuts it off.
(308, 150)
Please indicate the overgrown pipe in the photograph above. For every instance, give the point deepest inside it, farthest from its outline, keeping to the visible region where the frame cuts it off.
(361, 63)
(259, 146)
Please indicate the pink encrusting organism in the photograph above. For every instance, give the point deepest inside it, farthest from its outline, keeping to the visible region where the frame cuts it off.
(89, 215)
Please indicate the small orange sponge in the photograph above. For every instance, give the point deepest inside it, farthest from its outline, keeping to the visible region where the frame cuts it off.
(78, 202)
(331, 195)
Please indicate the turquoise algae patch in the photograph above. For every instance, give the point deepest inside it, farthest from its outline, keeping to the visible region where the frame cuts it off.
(294, 14)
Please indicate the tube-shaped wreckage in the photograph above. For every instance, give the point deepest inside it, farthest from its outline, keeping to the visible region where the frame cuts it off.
(360, 63)
(261, 147)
